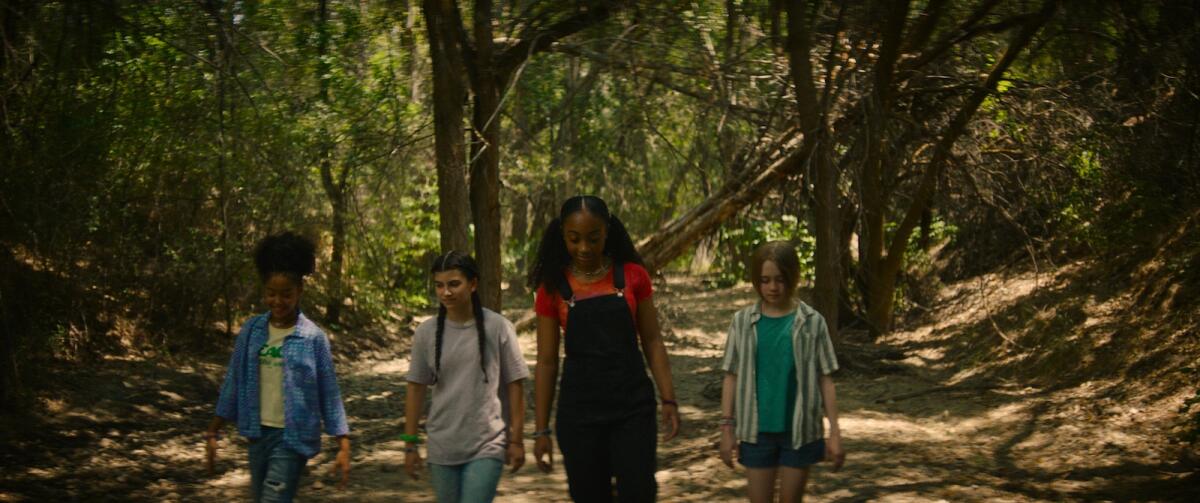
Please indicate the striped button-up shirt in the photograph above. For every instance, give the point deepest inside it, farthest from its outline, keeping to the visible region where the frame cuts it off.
(814, 357)
(310, 388)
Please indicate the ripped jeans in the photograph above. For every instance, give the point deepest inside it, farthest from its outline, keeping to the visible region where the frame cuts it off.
(274, 468)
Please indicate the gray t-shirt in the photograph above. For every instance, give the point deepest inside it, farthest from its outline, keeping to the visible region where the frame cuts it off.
(466, 419)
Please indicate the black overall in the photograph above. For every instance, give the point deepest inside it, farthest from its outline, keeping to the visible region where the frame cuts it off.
(606, 406)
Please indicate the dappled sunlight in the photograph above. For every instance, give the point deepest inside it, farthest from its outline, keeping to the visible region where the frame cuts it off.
(939, 429)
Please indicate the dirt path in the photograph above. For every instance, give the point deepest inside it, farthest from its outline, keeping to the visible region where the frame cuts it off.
(128, 430)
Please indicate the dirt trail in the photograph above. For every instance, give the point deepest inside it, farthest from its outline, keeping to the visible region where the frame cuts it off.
(128, 430)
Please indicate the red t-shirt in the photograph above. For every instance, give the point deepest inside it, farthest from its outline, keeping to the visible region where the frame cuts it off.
(637, 288)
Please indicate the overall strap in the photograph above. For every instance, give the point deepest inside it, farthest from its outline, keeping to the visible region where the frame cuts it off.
(564, 291)
(618, 270)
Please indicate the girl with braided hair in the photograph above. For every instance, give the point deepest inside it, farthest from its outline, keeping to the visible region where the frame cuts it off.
(470, 355)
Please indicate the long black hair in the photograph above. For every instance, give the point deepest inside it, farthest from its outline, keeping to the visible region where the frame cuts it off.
(453, 260)
(552, 255)
(285, 253)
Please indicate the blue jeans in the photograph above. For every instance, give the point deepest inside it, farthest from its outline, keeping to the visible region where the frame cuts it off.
(274, 468)
(471, 482)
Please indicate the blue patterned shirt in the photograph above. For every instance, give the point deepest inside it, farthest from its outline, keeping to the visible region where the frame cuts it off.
(310, 389)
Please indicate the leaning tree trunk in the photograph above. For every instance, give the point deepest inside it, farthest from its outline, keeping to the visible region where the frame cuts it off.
(751, 185)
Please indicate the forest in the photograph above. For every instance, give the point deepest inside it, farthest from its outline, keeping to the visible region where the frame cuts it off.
(990, 197)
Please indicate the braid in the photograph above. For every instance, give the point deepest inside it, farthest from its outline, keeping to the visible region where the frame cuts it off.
(456, 260)
(478, 307)
(437, 344)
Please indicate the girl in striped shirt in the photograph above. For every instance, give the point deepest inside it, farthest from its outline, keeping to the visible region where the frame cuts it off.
(778, 361)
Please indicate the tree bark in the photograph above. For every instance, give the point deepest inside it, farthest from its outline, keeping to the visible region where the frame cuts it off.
(882, 277)
(827, 221)
(485, 157)
(449, 95)
(335, 190)
(489, 73)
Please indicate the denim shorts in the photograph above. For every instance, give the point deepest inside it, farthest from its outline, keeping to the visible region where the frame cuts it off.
(775, 449)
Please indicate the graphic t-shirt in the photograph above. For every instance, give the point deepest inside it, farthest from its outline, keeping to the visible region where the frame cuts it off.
(637, 289)
(270, 375)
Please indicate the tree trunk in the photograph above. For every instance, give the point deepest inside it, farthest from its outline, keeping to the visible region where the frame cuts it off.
(520, 229)
(409, 42)
(449, 95)
(825, 172)
(337, 295)
(485, 157)
(882, 277)
(335, 190)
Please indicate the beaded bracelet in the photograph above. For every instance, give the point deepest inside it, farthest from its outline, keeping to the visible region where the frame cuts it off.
(670, 402)
(542, 433)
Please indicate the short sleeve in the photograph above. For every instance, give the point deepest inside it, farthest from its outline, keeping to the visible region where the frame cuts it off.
(545, 304)
(730, 362)
(639, 282)
(512, 361)
(419, 369)
(826, 359)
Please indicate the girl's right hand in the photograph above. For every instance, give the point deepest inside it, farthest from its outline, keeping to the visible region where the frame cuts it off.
(727, 446)
(210, 454)
(412, 463)
(544, 448)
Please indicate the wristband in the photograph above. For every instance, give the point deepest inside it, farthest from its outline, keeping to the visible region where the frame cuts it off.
(670, 402)
(727, 421)
(542, 433)
(410, 448)
(412, 439)
(212, 435)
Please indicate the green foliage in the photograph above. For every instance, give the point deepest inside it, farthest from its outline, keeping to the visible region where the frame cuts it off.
(738, 242)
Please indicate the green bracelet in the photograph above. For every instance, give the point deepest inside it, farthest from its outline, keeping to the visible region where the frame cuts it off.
(412, 439)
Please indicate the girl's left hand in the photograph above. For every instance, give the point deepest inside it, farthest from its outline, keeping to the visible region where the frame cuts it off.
(341, 465)
(516, 455)
(670, 413)
(834, 452)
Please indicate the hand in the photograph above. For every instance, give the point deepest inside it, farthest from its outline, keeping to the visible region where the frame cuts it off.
(670, 414)
(341, 464)
(834, 452)
(543, 452)
(516, 455)
(412, 463)
(210, 454)
(727, 445)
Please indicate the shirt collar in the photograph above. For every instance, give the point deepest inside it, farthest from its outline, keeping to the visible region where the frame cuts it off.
(802, 310)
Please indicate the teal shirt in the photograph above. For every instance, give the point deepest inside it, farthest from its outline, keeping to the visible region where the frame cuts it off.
(776, 376)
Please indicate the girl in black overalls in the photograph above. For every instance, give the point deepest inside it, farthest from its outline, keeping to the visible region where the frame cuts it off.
(590, 281)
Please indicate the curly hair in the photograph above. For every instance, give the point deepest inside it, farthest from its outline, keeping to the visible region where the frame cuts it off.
(285, 253)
